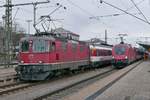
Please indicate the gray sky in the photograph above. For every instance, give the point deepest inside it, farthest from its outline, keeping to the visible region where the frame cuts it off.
(76, 17)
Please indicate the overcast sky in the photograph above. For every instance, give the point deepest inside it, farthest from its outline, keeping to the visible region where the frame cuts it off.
(76, 17)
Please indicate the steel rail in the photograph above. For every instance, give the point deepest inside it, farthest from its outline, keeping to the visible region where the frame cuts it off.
(73, 85)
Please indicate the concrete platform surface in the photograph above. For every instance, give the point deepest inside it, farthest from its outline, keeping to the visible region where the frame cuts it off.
(87, 92)
(134, 86)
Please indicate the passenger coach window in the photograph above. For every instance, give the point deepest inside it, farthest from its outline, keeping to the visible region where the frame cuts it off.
(109, 52)
(25, 46)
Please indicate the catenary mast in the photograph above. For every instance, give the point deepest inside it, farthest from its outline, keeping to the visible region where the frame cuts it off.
(8, 30)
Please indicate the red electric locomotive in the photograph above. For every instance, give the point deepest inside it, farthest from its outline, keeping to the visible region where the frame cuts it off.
(123, 54)
(40, 57)
(46, 54)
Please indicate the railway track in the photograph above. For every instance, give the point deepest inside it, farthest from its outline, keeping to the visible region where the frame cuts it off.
(55, 88)
(11, 88)
(9, 85)
(75, 86)
(14, 87)
(20, 88)
(59, 93)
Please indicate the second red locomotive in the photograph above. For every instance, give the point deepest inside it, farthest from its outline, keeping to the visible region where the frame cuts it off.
(124, 54)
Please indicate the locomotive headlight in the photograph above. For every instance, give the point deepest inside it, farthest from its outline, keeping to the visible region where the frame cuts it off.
(126, 57)
(40, 62)
(22, 62)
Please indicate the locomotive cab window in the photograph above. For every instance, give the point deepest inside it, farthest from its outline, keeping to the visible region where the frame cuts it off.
(120, 50)
(40, 46)
(25, 46)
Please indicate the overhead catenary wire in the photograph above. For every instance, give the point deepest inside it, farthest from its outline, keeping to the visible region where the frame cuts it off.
(111, 15)
(46, 7)
(139, 10)
(43, 18)
(24, 4)
(15, 15)
(28, 11)
(87, 12)
(117, 14)
(83, 10)
(136, 4)
(102, 1)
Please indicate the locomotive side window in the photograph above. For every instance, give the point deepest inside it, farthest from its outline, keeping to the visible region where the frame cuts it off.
(74, 46)
(25, 46)
(40, 46)
(52, 47)
(64, 46)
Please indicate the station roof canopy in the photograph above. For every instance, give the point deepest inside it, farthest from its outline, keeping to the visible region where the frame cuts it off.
(146, 45)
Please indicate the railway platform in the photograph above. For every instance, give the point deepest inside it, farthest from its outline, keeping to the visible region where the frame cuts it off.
(134, 85)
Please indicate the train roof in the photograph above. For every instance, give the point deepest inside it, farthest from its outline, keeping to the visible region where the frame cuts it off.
(53, 39)
(60, 33)
(34, 37)
(64, 31)
(124, 44)
(101, 47)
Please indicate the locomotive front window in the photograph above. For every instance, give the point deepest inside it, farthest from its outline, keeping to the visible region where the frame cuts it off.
(25, 46)
(40, 46)
(120, 50)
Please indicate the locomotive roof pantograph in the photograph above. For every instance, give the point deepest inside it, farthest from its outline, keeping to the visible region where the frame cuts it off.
(60, 33)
